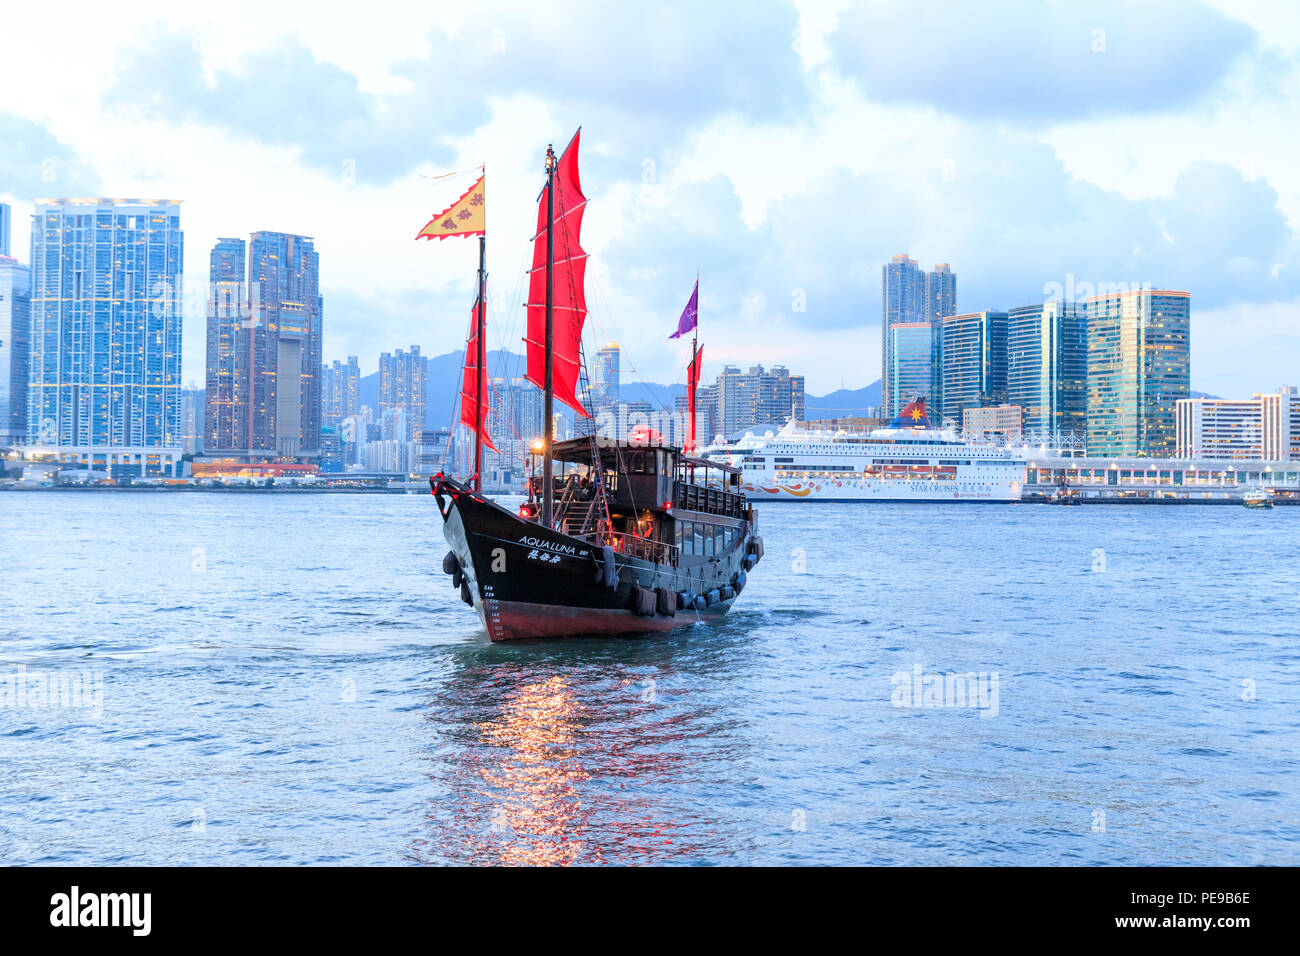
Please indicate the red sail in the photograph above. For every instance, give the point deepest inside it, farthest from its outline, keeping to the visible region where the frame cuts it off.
(469, 385)
(692, 384)
(569, 299)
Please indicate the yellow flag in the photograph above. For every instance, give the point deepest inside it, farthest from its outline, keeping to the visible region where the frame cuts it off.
(465, 217)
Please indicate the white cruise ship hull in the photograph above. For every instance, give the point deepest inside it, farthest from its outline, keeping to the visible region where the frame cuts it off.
(840, 489)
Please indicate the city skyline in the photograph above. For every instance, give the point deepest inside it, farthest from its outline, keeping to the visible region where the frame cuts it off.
(1050, 154)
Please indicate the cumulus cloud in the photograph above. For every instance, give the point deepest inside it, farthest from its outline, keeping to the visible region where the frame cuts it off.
(1037, 61)
(35, 163)
(645, 79)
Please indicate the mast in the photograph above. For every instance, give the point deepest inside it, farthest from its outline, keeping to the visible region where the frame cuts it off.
(548, 400)
(480, 329)
(692, 374)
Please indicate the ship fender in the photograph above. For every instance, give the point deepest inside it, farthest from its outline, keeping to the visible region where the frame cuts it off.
(700, 602)
(667, 602)
(644, 602)
(713, 597)
(465, 595)
(457, 576)
(684, 600)
(727, 592)
(741, 580)
(607, 569)
(450, 563)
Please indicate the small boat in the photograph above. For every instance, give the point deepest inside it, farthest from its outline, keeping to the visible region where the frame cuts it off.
(627, 536)
(1257, 499)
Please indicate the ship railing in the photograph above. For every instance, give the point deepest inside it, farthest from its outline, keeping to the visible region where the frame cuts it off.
(635, 546)
(708, 499)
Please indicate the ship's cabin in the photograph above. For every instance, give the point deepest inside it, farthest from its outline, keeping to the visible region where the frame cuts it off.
(657, 503)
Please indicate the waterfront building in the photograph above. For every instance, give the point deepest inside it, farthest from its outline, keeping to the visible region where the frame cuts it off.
(1139, 366)
(432, 452)
(911, 298)
(340, 390)
(911, 364)
(402, 385)
(1265, 426)
(15, 320)
(6, 225)
(974, 364)
(264, 347)
(1280, 412)
(1047, 366)
(1006, 421)
(105, 345)
(757, 397)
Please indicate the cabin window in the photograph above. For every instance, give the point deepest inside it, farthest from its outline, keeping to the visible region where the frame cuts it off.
(697, 536)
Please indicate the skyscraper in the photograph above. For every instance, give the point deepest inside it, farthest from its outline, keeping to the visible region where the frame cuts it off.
(974, 362)
(15, 316)
(265, 345)
(6, 225)
(756, 397)
(1139, 366)
(910, 297)
(1047, 366)
(225, 425)
(402, 383)
(284, 289)
(340, 390)
(106, 323)
(605, 388)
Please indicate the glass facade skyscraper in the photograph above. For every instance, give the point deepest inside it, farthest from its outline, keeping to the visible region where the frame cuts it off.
(6, 226)
(1047, 366)
(105, 323)
(605, 388)
(911, 365)
(974, 362)
(910, 296)
(1139, 366)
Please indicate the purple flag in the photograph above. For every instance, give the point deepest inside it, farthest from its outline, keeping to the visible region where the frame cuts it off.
(690, 314)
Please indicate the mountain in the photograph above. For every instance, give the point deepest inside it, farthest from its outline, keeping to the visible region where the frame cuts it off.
(443, 383)
(843, 402)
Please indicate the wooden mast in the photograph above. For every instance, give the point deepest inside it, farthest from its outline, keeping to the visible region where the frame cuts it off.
(479, 362)
(548, 400)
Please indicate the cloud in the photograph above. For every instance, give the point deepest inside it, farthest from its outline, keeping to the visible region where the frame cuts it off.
(643, 80)
(35, 164)
(1039, 61)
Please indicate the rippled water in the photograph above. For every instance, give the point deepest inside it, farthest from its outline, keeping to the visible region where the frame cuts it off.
(290, 679)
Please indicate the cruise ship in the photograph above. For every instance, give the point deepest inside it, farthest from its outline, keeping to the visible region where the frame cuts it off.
(908, 461)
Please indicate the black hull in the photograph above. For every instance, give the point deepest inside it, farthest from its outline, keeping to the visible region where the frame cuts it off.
(527, 581)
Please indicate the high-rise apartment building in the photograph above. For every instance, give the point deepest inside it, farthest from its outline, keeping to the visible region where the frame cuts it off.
(402, 385)
(105, 342)
(757, 397)
(1047, 366)
(340, 390)
(15, 319)
(1139, 366)
(264, 346)
(974, 364)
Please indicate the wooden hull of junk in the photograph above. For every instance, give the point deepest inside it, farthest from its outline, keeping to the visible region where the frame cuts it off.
(528, 581)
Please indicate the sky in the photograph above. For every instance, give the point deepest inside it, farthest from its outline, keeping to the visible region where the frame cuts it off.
(781, 151)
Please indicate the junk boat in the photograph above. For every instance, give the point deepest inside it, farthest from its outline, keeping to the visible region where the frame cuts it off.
(616, 536)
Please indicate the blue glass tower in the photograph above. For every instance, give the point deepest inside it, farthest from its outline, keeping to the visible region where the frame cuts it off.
(105, 342)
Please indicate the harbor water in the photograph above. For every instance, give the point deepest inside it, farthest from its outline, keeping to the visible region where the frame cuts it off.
(259, 678)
